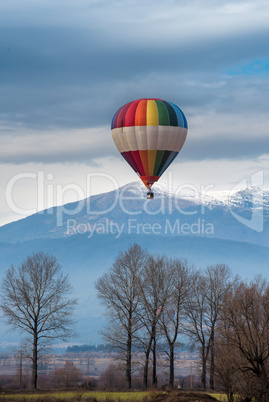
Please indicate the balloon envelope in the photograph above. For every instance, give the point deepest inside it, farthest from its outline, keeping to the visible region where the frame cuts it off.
(149, 133)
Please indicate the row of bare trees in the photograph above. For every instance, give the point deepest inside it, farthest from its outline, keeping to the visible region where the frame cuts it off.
(150, 299)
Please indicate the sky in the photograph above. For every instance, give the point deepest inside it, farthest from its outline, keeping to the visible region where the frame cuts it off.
(67, 66)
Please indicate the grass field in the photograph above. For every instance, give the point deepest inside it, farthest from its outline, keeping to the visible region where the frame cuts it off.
(98, 396)
(220, 397)
(76, 395)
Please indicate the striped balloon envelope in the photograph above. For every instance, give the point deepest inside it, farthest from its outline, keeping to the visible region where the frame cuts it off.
(149, 133)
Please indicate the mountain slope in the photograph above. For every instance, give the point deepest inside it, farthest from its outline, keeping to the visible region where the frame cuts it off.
(243, 216)
(86, 237)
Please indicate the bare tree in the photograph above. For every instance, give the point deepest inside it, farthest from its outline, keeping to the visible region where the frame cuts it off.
(218, 283)
(203, 310)
(120, 291)
(197, 325)
(246, 330)
(35, 299)
(172, 316)
(227, 362)
(67, 376)
(156, 287)
(111, 378)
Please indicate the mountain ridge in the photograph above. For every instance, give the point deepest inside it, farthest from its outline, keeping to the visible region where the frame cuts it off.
(230, 217)
(86, 255)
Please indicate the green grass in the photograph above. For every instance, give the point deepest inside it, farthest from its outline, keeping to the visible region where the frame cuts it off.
(79, 395)
(76, 395)
(219, 397)
(123, 396)
(222, 397)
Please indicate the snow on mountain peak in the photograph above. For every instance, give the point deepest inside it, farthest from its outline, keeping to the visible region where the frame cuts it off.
(190, 193)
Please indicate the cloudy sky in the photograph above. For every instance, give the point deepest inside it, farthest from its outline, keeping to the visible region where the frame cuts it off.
(67, 66)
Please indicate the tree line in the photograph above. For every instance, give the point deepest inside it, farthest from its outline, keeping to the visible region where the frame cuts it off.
(152, 300)
(109, 348)
(89, 348)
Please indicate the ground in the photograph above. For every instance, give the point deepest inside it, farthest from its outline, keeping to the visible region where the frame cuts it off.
(74, 396)
(181, 396)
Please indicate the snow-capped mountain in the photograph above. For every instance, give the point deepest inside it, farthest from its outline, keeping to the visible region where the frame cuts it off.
(240, 216)
(86, 236)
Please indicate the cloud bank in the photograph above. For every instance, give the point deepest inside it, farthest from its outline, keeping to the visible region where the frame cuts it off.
(67, 67)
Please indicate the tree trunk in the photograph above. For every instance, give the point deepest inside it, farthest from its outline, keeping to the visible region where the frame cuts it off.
(146, 369)
(34, 368)
(171, 374)
(230, 397)
(212, 363)
(146, 365)
(20, 369)
(265, 382)
(267, 392)
(203, 375)
(154, 368)
(128, 376)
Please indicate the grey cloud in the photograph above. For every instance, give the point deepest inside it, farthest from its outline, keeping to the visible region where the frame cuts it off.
(223, 148)
(61, 56)
(86, 145)
(209, 138)
(75, 77)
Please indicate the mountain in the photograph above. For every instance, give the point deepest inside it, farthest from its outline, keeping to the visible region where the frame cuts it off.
(86, 236)
(242, 216)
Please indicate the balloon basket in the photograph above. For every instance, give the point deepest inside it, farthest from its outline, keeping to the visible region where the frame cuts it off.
(150, 195)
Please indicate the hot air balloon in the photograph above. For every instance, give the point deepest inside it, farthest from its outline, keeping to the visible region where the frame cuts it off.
(149, 133)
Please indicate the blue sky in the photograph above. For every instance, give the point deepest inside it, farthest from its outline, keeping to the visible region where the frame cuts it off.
(66, 67)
